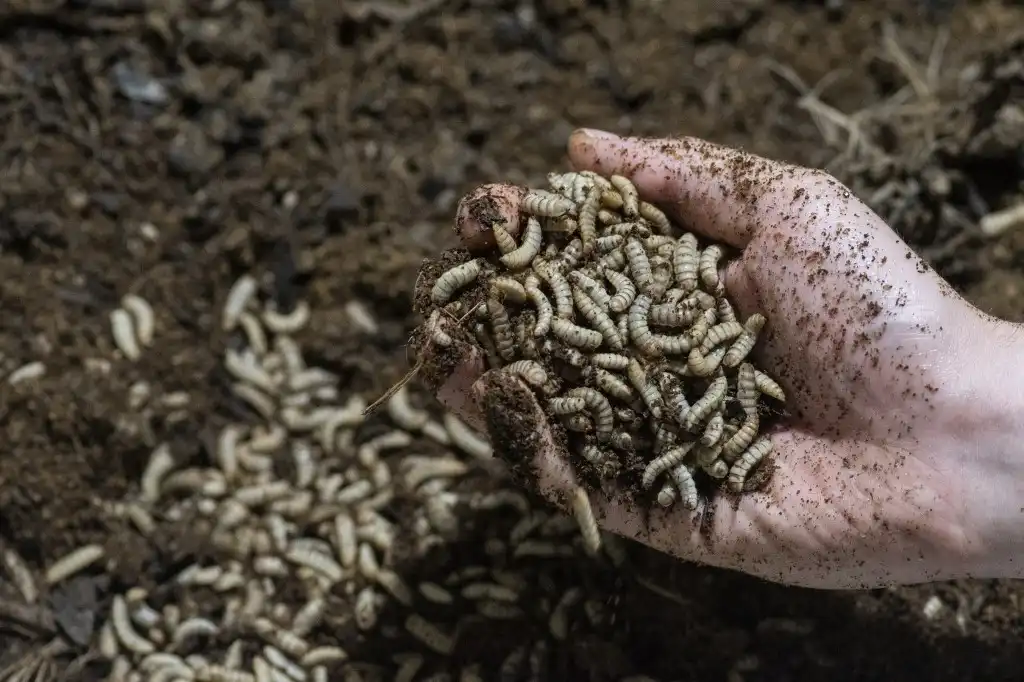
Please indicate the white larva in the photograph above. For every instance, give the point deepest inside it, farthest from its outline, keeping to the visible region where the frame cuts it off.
(558, 621)
(597, 317)
(286, 323)
(345, 540)
(559, 288)
(408, 667)
(747, 461)
(545, 204)
(244, 366)
(768, 386)
(279, 660)
(613, 385)
(27, 372)
(723, 332)
(639, 264)
(710, 402)
(741, 440)
(530, 371)
(613, 260)
(73, 563)
(161, 463)
(528, 250)
(504, 339)
(670, 315)
(656, 217)
(466, 439)
(707, 269)
(121, 328)
(673, 457)
(610, 361)
(317, 562)
(685, 262)
(541, 303)
(366, 608)
(744, 343)
(701, 365)
(492, 591)
(435, 593)
(713, 430)
(570, 256)
(126, 634)
(716, 470)
(591, 287)
(600, 410)
(142, 312)
(609, 242)
(429, 634)
(454, 279)
(238, 298)
(323, 655)
(725, 310)
(260, 402)
(193, 627)
(746, 389)
(584, 514)
(507, 289)
(505, 241)
(567, 405)
(588, 220)
(648, 391)
(668, 494)
(630, 197)
(401, 411)
(682, 477)
(575, 335)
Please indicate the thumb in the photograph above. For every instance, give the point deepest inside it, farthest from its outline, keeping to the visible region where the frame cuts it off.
(725, 194)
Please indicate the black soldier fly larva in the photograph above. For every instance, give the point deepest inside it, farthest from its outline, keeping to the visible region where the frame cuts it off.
(619, 321)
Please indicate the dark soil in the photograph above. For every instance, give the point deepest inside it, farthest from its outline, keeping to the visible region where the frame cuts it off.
(165, 151)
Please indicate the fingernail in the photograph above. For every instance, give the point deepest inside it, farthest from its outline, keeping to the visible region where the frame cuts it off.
(595, 134)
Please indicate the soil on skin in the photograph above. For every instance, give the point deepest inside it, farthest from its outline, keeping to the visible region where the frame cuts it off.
(164, 149)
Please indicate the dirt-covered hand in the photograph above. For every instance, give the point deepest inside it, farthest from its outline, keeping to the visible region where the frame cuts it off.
(877, 480)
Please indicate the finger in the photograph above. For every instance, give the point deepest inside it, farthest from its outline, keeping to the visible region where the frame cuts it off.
(450, 363)
(484, 207)
(723, 193)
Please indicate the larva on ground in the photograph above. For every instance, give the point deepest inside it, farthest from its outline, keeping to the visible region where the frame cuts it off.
(707, 268)
(725, 311)
(744, 343)
(559, 288)
(613, 260)
(750, 458)
(570, 256)
(713, 430)
(609, 242)
(648, 392)
(578, 423)
(74, 562)
(639, 331)
(656, 217)
(506, 242)
(544, 204)
(567, 405)
(540, 301)
(454, 279)
(611, 199)
(670, 315)
(123, 332)
(625, 290)
(668, 494)
(528, 250)
(238, 299)
(716, 470)
(588, 221)
(600, 410)
(746, 389)
(575, 335)
(708, 403)
(598, 318)
(684, 262)
(613, 385)
(630, 196)
(639, 263)
(663, 463)
(507, 289)
(741, 440)
(701, 365)
(768, 386)
(142, 313)
(430, 634)
(723, 332)
(682, 477)
(591, 288)
(504, 340)
(610, 361)
(588, 523)
(530, 371)
(126, 634)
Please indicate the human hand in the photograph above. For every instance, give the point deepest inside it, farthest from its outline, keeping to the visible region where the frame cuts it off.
(885, 471)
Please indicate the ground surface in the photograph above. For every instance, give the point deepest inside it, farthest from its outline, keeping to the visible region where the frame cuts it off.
(329, 142)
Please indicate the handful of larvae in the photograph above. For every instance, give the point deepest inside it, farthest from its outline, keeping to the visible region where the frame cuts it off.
(620, 323)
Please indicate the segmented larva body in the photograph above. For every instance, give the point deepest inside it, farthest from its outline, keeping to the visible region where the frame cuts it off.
(639, 263)
(708, 403)
(671, 458)
(741, 440)
(639, 331)
(613, 385)
(559, 287)
(543, 204)
(625, 290)
(584, 514)
(504, 340)
(575, 335)
(613, 260)
(598, 318)
(564, 405)
(570, 256)
(530, 371)
(746, 389)
(713, 430)
(611, 199)
(704, 365)
(725, 311)
(648, 392)
(588, 221)
(682, 477)
(768, 386)
(591, 288)
(506, 242)
(707, 267)
(609, 242)
(524, 254)
(744, 343)
(655, 216)
(600, 411)
(674, 397)
(723, 332)
(670, 315)
(716, 470)
(544, 310)
(454, 279)
(630, 197)
(750, 458)
(507, 289)
(685, 262)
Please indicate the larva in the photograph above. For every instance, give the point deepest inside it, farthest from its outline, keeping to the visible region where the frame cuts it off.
(237, 301)
(569, 355)
(544, 204)
(598, 318)
(648, 391)
(704, 365)
(684, 262)
(571, 254)
(671, 458)
(630, 197)
(591, 288)
(507, 289)
(621, 440)
(504, 340)
(741, 440)
(674, 397)
(673, 345)
(625, 290)
(578, 422)
(713, 430)
(588, 523)
(613, 385)
(682, 477)
(611, 199)
(602, 182)
(530, 371)
(750, 458)
(142, 312)
(429, 634)
(72, 563)
(725, 311)
(744, 343)
(723, 332)
(575, 335)
(606, 217)
(600, 410)
(639, 264)
(559, 287)
(588, 221)
(506, 242)
(768, 386)
(656, 217)
(746, 389)
(707, 268)
(601, 460)
(454, 279)
(708, 403)
(611, 361)
(541, 303)
(670, 315)
(613, 260)
(124, 334)
(567, 405)
(525, 253)
(668, 494)
(609, 242)
(639, 332)
(716, 470)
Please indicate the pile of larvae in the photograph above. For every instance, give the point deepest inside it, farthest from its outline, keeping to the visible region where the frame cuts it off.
(620, 323)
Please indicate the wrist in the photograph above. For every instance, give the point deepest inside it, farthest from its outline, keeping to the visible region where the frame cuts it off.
(991, 450)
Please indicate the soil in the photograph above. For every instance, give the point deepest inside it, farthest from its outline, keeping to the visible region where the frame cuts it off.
(166, 148)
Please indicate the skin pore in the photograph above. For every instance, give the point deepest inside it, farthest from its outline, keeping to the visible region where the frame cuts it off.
(901, 461)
